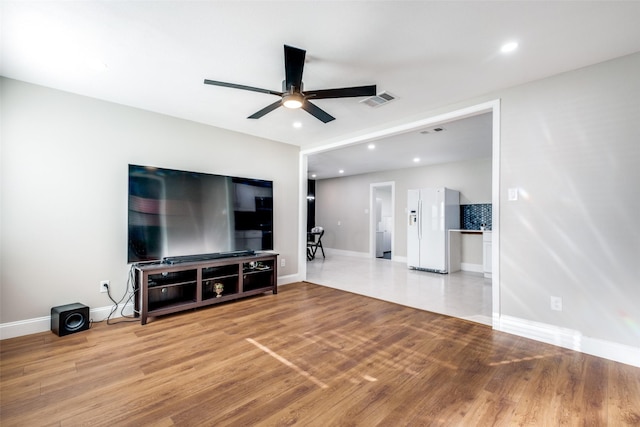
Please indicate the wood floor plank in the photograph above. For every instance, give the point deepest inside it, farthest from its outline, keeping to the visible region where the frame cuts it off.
(624, 395)
(308, 356)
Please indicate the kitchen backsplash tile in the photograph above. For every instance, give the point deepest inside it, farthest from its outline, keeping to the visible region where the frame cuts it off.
(473, 216)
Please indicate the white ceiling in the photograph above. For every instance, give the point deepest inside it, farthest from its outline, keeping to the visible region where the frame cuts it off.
(155, 55)
(454, 141)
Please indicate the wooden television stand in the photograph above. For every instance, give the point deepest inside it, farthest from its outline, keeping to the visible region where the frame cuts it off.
(169, 288)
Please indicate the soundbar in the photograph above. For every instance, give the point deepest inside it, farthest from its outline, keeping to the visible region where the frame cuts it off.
(205, 257)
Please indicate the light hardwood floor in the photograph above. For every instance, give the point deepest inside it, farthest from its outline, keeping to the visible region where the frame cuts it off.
(308, 356)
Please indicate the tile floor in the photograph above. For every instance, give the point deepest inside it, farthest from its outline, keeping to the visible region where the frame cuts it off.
(462, 294)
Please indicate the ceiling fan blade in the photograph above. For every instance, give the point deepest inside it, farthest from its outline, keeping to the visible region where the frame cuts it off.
(317, 112)
(345, 92)
(293, 67)
(243, 87)
(265, 110)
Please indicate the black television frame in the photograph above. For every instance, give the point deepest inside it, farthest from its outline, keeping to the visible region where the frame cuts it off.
(177, 215)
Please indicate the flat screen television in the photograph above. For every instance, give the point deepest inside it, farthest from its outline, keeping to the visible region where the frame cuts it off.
(175, 214)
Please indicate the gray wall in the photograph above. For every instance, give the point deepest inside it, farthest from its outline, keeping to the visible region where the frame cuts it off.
(64, 190)
(571, 144)
(346, 200)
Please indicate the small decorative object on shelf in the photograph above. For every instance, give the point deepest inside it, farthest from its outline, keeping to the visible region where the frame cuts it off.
(219, 287)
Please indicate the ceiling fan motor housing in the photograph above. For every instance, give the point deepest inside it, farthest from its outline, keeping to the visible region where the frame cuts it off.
(292, 88)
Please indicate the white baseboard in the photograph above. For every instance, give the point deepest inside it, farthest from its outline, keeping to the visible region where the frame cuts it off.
(568, 338)
(43, 324)
(25, 327)
(291, 278)
(342, 252)
(476, 268)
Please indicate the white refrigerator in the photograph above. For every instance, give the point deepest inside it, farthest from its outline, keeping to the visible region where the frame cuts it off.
(432, 211)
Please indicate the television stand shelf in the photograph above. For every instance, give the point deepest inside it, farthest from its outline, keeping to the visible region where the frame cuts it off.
(169, 288)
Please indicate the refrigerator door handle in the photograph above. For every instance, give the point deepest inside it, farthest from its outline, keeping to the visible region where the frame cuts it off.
(420, 219)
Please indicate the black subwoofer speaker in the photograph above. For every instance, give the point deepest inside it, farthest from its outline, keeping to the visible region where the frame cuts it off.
(69, 319)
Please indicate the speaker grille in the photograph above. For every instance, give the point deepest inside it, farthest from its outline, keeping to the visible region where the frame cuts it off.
(74, 322)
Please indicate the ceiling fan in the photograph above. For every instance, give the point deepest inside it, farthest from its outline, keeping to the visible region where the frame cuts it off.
(292, 95)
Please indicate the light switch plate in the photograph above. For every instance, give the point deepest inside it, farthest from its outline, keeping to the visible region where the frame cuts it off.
(556, 303)
(513, 194)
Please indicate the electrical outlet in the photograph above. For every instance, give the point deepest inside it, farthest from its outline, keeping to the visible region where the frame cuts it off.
(104, 285)
(556, 303)
(282, 262)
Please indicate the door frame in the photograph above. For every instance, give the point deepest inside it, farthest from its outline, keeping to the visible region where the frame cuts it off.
(372, 215)
(493, 107)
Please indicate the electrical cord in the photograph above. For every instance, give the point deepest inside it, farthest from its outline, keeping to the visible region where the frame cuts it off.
(128, 295)
(127, 298)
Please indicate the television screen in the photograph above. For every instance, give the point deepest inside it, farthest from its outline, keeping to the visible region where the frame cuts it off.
(176, 213)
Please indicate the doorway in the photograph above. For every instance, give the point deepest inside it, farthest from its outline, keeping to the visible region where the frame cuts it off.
(486, 107)
(381, 226)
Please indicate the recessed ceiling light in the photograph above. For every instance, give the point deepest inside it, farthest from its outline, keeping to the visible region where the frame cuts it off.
(509, 47)
(341, 171)
(297, 125)
(416, 159)
(371, 146)
(313, 175)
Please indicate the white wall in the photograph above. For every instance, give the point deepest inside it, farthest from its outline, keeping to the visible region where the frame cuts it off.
(64, 190)
(346, 200)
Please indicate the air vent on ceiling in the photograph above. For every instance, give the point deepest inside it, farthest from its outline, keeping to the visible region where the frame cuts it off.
(378, 100)
(432, 130)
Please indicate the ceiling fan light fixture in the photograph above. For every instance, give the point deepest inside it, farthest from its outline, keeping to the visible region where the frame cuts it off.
(292, 101)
